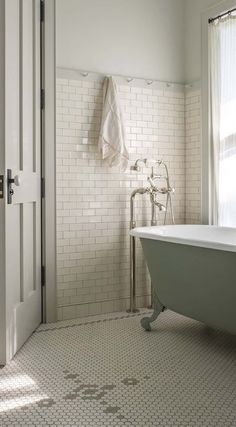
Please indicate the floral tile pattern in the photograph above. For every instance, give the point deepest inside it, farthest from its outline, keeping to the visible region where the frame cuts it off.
(107, 371)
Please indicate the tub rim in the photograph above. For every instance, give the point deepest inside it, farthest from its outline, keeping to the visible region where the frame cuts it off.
(157, 233)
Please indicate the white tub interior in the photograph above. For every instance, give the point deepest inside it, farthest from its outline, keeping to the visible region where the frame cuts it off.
(212, 237)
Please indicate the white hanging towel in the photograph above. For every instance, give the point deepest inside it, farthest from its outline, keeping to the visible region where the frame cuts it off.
(112, 132)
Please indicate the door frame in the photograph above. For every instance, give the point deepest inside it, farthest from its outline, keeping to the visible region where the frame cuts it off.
(49, 291)
(2, 169)
(48, 171)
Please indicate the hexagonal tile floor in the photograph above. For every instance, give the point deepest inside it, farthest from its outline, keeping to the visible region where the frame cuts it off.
(107, 371)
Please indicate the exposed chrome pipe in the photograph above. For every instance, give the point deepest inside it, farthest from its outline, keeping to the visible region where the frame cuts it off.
(132, 198)
(133, 308)
(154, 215)
(153, 191)
(154, 204)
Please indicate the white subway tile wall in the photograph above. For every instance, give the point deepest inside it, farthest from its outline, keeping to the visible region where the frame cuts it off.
(193, 155)
(93, 210)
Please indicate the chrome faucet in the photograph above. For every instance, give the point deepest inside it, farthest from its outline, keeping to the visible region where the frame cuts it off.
(152, 178)
(153, 196)
(153, 190)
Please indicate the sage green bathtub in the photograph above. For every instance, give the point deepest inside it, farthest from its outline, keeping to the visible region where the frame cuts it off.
(194, 281)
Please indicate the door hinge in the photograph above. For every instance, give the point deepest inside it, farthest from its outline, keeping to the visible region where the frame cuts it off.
(42, 188)
(42, 11)
(42, 99)
(1, 186)
(43, 281)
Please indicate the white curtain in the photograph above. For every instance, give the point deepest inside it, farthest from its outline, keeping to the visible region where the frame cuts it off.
(223, 120)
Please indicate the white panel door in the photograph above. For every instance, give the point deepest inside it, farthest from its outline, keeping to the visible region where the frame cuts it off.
(22, 161)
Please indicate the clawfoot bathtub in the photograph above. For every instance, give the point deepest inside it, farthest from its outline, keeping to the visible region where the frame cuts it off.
(193, 271)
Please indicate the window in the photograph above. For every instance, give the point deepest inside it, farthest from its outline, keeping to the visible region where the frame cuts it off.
(222, 38)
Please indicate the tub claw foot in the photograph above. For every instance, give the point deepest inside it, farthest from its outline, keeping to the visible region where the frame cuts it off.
(158, 308)
(145, 323)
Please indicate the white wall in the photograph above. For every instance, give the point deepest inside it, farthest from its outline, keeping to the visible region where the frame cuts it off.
(193, 155)
(193, 11)
(143, 38)
(93, 212)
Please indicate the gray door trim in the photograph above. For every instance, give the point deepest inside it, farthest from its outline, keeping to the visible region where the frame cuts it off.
(49, 161)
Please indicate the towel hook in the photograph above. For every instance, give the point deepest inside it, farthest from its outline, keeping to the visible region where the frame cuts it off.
(84, 74)
(129, 79)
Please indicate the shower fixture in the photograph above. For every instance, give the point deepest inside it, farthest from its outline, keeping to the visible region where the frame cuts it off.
(136, 166)
(147, 162)
(154, 191)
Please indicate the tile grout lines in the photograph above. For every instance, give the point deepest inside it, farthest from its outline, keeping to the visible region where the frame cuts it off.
(91, 322)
